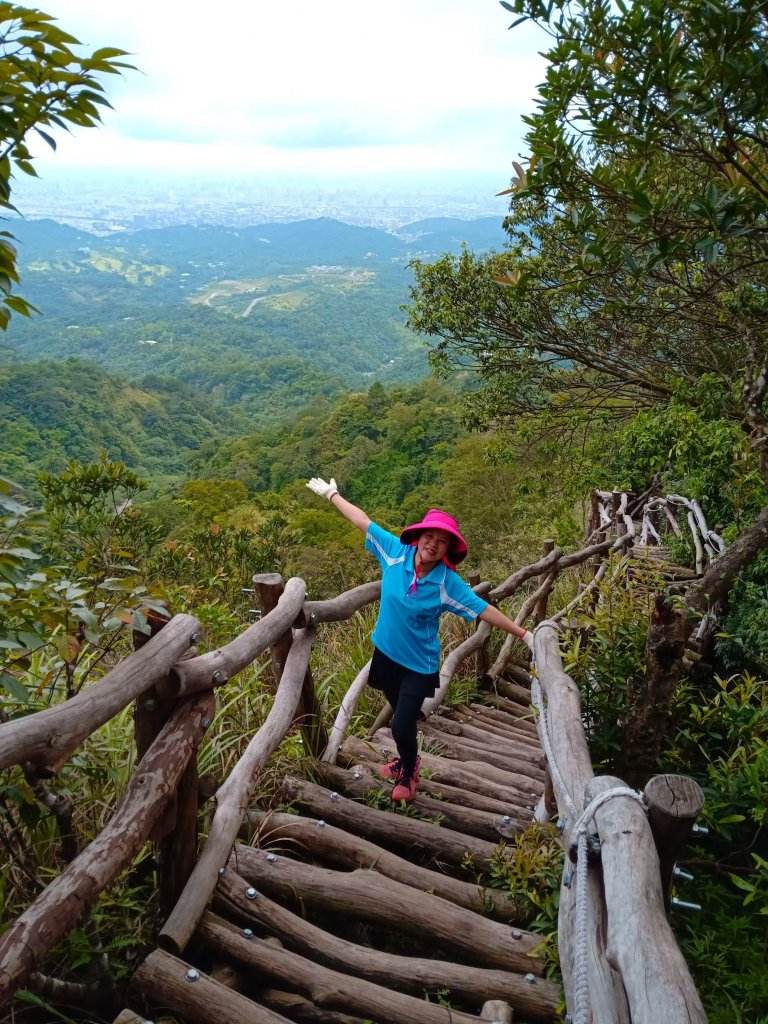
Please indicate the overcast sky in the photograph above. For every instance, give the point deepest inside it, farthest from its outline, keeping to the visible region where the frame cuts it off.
(305, 87)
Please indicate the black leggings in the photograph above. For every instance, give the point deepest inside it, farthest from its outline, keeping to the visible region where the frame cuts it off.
(406, 690)
(406, 709)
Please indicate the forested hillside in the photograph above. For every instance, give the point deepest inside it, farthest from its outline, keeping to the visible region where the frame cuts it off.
(200, 334)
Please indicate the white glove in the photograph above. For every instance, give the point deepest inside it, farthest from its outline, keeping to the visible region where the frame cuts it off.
(325, 490)
(528, 640)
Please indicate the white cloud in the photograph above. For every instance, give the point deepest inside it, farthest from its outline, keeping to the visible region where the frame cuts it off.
(345, 83)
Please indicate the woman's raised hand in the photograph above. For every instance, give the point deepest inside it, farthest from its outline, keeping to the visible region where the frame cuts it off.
(325, 490)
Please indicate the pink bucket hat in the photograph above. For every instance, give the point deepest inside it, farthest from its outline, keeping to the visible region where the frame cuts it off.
(437, 520)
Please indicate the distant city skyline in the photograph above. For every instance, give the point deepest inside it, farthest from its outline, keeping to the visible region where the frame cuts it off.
(111, 200)
(432, 89)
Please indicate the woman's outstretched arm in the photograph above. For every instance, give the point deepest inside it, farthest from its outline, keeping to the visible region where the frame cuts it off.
(329, 490)
(494, 617)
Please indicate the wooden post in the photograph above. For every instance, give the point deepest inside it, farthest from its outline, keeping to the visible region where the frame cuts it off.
(618, 526)
(653, 518)
(674, 802)
(175, 833)
(540, 609)
(269, 589)
(640, 942)
(569, 747)
(594, 514)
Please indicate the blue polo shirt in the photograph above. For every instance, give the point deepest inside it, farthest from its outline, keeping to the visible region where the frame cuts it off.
(406, 629)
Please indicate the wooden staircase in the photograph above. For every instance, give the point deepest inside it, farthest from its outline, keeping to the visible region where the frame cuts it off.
(355, 910)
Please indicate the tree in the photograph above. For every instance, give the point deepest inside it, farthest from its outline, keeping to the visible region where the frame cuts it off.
(45, 83)
(637, 265)
(651, 141)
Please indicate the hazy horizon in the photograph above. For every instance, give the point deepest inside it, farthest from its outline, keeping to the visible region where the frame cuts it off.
(304, 90)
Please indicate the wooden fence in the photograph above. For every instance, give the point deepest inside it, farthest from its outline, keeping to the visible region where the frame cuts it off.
(619, 958)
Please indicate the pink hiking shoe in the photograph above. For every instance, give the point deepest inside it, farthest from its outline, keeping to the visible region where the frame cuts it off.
(391, 769)
(405, 787)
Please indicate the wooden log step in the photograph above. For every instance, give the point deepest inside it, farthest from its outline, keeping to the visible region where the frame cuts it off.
(463, 798)
(163, 978)
(519, 692)
(506, 712)
(469, 820)
(513, 675)
(461, 748)
(325, 988)
(479, 777)
(472, 813)
(502, 703)
(511, 708)
(442, 791)
(522, 733)
(536, 1001)
(302, 1010)
(522, 755)
(517, 787)
(442, 844)
(335, 846)
(457, 748)
(509, 723)
(517, 731)
(365, 895)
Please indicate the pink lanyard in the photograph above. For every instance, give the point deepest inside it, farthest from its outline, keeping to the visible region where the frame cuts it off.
(412, 588)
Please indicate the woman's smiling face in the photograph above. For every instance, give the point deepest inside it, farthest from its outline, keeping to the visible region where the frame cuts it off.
(433, 545)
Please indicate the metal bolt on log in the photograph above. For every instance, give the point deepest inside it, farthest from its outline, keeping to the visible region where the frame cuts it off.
(192, 974)
(679, 873)
(271, 857)
(684, 904)
(250, 893)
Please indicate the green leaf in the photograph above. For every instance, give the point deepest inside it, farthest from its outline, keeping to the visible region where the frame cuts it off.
(14, 687)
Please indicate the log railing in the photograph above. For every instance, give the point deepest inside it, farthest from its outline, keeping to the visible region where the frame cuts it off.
(625, 907)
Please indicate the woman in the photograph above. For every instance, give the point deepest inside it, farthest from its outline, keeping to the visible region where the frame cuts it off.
(418, 584)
